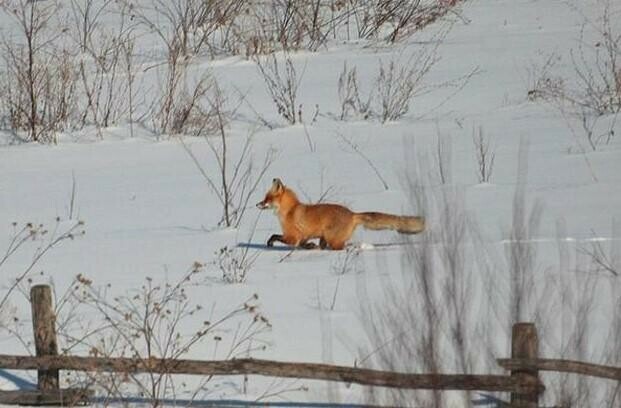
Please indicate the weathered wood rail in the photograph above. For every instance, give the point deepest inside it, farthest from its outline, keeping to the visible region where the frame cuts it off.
(269, 368)
(562, 366)
(523, 382)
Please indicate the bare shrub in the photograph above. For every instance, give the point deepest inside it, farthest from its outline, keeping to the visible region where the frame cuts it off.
(282, 84)
(127, 48)
(575, 391)
(416, 176)
(179, 107)
(397, 83)
(158, 320)
(212, 24)
(310, 24)
(187, 26)
(581, 305)
(186, 112)
(285, 25)
(521, 251)
(458, 287)
(394, 21)
(425, 319)
(422, 323)
(319, 20)
(235, 182)
(429, 167)
(608, 263)
(484, 155)
(600, 263)
(612, 348)
(44, 239)
(193, 27)
(444, 157)
(39, 82)
(101, 67)
(598, 70)
(234, 263)
(85, 18)
(543, 82)
(350, 97)
(594, 90)
(565, 302)
(389, 339)
(292, 25)
(72, 206)
(452, 307)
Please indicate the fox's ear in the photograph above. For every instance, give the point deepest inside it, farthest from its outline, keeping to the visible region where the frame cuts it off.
(277, 184)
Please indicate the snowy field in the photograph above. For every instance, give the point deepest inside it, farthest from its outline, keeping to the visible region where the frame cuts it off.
(150, 217)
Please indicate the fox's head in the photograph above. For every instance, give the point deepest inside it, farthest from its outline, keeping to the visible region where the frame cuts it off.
(273, 195)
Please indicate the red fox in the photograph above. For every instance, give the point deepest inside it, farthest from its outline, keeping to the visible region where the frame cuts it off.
(333, 224)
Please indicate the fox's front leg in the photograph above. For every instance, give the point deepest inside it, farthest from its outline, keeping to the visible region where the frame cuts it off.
(285, 239)
(292, 241)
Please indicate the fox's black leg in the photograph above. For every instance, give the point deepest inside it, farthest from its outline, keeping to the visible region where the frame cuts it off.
(307, 245)
(322, 243)
(279, 238)
(274, 238)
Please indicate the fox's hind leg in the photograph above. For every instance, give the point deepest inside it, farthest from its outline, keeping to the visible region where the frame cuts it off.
(275, 238)
(336, 245)
(311, 245)
(305, 244)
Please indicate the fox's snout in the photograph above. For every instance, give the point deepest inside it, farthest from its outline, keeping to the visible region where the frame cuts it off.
(273, 196)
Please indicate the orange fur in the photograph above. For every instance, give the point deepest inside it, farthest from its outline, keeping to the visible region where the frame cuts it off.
(332, 224)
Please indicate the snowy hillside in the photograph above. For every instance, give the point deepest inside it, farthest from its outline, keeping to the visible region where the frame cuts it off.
(517, 173)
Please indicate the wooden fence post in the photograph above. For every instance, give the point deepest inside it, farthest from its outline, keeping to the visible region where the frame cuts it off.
(44, 327)
(525, 345)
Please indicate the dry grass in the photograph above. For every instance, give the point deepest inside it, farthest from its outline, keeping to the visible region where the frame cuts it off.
(159, 320)
(593, 91)
(452, 307)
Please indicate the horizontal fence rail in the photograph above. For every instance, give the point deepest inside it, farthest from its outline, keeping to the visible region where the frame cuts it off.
(562, 366)
(248, 366)
(522, 381)
(63, 397)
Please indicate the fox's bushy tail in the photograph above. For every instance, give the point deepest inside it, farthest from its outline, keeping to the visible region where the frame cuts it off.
(403, 224)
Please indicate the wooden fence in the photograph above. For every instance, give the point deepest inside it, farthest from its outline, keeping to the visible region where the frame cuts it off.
(522, 382)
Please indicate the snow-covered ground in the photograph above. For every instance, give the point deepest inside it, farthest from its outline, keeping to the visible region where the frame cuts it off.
(148, 212)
